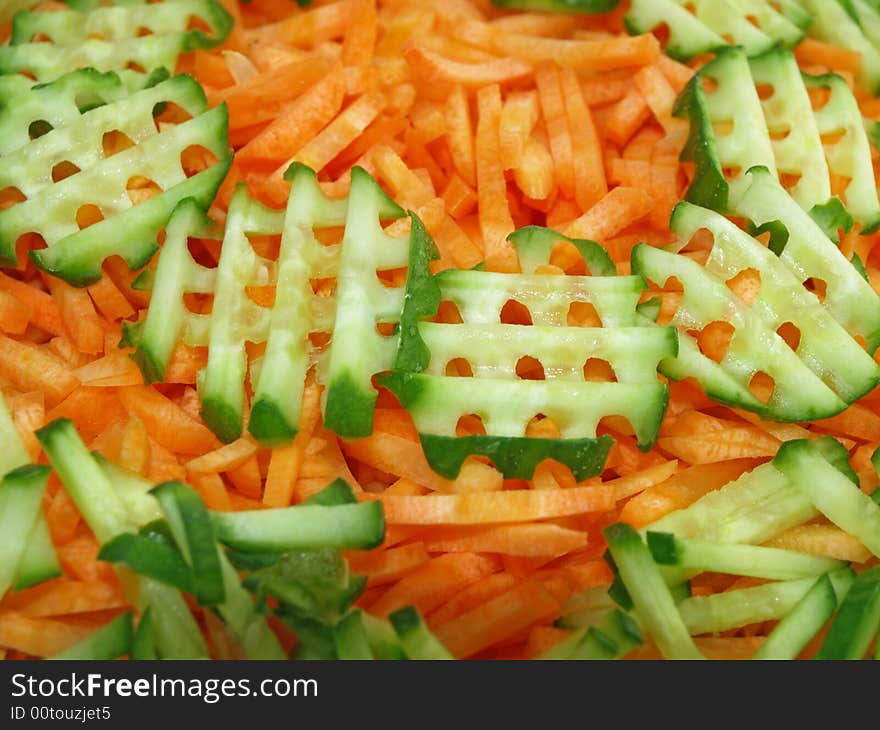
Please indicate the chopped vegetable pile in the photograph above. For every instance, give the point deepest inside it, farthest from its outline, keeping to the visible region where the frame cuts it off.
(394, 329)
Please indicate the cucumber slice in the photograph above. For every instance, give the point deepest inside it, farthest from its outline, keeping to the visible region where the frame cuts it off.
(21, 494)
(417, 640)
(768, 602)
(88, 485)
(337, 492)
(194, 533)
(651, 598)
(856, 623)
(382, 638)
(149, 558)
(143, 645)
(749, 560)
(831, 492)
(40, 561)
(111, 641)
(133, 490)
(612, 635)
(13, 454)
(351, 639)
(177, 635)
(304, 527)
(801, 624)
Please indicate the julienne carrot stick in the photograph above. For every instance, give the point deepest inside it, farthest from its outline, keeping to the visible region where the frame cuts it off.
(481, 120)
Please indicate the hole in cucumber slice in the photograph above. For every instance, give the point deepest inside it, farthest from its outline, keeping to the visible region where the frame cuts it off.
(761, 386)
(765, 91)
(470, 424)
(114, 142)
(714, 340)
(10, 196)
(817, 286)
(513, 312)
(528, 368)
(598, 370)
(140, 189)
(38, 128)
(142, 31)
(746, 285)
(87, 215)
(196, 158)
(583, 314)
(63, 169)
(459, 367)
(789, 332)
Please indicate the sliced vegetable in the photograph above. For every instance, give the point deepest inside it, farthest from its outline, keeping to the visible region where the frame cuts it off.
(857, 621)
(417, 640)
(111, 641)
(21, 493)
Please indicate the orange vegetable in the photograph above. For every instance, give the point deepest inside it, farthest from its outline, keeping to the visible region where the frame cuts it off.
(434, 68)
(529, 540)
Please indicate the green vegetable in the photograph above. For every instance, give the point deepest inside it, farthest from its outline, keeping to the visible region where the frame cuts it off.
(611, 636)
(750, 560)
(651, 598)
(417, 640)
(111, 641)
(21, 492)
(802, 623)
(841, 370)
(856, 623)
(149, 558)
(832, 494)
(704, 26)
(71, 43)
(767, 602)
(351, 638)
(51, 208)
(559, 6)
(506, 403)
(304, 527)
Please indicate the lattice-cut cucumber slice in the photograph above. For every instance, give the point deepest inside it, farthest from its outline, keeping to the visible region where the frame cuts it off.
(122, 22)
(705, 26)
(79, 141)
(849, 154)
(358, 350)
(298, 311)
(480, 296)
(534, 245)
(828, 369)
(127, 230)
(808, 252)
(733, 104)
(28, 110)
(505, 403)
(788, 112)
(235, 317)
(74, 44)
(837, 22)
(168, 319)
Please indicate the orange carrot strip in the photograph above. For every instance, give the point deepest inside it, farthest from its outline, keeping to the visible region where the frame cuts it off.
(167, 422)
(164, 465)
(495, 507)
(627, 115)
(681, 490)
(518, 118)
(395, 455)
(185, 363)
(619, 208)
(598, 55)
(360, 36)
(285, 463)
(92, 409)
(605, 88)
(265, 97)
(134, 451)
(109, 300)
(459, 198)
(659, 96)
(676, 73)
(434, 68)
(227, 457)
(39, 637)
(42, 309)
(381, 130)
(337, 135)
(29, 368)
(79, 315)
(523, 540)
(307, 28)
(731, 443)
(79, 559)
(388, 566)
(469, 598)
(542, 639)
(431, 584)
(639, 481)
(721, 648)
(857, 421)
(299, 122)
(556, 122)
(62, 596)
(534, 175)
(212, 490)
(810, 52)
(459, 134)
(494, 214)
(497, 619)
(115, 369)
(589, 168)
(247, 479)
(14, 315)
(63, 517)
